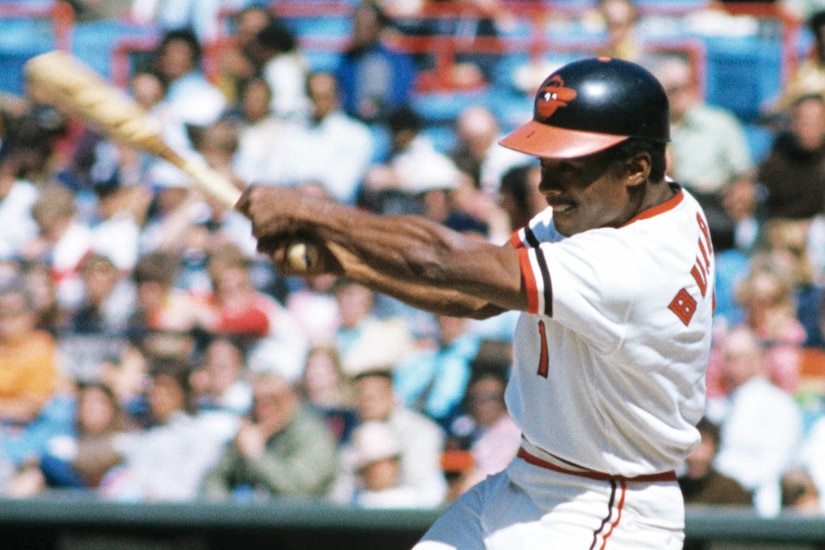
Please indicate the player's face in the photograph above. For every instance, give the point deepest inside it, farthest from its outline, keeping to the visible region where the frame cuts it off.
(585, 192)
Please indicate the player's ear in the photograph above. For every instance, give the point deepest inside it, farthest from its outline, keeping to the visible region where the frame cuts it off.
(637, 169)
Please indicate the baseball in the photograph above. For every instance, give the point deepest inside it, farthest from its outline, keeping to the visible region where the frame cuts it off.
(302, 256)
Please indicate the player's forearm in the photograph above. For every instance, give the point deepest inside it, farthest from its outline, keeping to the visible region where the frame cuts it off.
(417, 261)
(435, 300)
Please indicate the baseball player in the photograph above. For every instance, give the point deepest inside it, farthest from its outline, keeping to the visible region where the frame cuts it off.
(615, 284)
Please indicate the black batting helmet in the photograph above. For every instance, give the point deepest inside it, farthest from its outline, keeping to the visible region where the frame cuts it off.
(592, 104)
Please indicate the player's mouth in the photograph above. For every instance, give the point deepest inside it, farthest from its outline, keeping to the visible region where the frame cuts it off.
(560, 206)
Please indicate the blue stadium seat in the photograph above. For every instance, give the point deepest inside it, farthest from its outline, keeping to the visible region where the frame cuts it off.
(335, 26)
(743, 73)
(21, 39)
(760, 139)
(93, 41)
(444, 107)
(443, 137)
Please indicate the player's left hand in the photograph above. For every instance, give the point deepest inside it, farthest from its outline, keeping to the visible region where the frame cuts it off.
(279, 218)
(278, 251)
(272, 210)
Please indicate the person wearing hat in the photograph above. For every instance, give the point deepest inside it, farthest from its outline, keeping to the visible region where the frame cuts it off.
(614, 284)
(377, 457)
(420, 442)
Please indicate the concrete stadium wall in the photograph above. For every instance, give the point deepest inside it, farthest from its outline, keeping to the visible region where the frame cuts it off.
(70, 522)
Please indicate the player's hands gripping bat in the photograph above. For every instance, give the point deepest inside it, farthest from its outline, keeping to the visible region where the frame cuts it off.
(59, 79)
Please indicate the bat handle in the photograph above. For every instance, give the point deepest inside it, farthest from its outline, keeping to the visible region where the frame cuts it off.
(213, 184)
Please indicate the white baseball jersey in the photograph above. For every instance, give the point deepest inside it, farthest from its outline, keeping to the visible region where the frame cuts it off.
(609, 369)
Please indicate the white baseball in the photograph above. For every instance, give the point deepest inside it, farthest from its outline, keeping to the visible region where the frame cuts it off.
(302, 256)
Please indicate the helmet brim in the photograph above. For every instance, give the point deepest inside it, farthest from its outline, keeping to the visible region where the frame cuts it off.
(545, 141)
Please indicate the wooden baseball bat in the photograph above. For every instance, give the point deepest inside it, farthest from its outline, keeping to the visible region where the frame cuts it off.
(59, 79)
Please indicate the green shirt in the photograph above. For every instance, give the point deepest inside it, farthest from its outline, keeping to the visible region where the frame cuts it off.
(299, 461)
(709, 148)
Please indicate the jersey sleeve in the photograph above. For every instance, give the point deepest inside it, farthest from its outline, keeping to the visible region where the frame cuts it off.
(584, 282)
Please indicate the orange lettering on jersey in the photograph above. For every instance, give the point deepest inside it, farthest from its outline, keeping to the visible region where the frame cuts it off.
(683, 305)
(703, 226)
(700, 275)
(544, 367)
(701, 268)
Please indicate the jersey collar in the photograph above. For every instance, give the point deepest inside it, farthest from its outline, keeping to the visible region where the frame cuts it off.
(661, 208)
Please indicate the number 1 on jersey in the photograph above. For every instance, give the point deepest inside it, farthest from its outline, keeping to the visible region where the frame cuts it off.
(543, 361)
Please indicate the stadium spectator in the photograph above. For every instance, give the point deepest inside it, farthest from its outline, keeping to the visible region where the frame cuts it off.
(127, 374)
(808, 78)
(329, 390)
(620, 21)
(96, 331)
(147, 88)
(433, 381)
(108, 298)
(411, 168)
(213, 224)
(519, 196)
(120, 206)
(172, 209)
(742, 205)
(81, 458)
(218, 144)
(709, 150)
(701, 482)
(809, 456)
(477, 152)
(31, 384)
(236, 307)
(768, 297)
(190, 99)
(790, 172)
(283, 448)
(17, 196)
(63, 241)
(42, 288)
(761, 426)
(167, 460)
(373, 78)
(485, 430)
(161, 306)
(235, 67)
(420, 438)
(377, 461)
(315, 309)
(799, 493)
(275, 53)
(347, 143)
(363, 337)
(261, 135)
(473, 27)
(221, 389)
(788, 242)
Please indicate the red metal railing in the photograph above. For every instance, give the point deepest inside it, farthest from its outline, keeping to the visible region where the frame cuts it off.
(59, 12)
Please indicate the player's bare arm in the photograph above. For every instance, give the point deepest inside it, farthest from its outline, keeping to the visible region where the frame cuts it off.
(410, 258)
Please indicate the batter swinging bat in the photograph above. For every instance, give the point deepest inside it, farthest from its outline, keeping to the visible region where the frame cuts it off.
(59, 79)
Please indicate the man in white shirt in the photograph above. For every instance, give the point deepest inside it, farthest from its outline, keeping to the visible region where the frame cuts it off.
(331, 148)
(762, 426)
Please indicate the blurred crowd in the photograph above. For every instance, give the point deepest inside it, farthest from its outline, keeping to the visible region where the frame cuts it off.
(149, 353)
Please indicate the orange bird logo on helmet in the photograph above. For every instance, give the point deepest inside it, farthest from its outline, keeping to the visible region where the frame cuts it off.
(551, 96)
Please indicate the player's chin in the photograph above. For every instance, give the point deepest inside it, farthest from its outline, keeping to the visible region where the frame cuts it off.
(566, 221)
